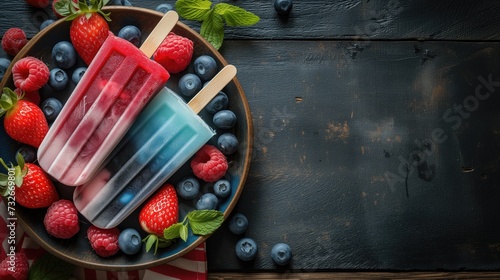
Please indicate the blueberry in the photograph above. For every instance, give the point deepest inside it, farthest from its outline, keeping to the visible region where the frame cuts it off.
(205, 67)
(28, 153)
(64, 55)
(281, 254)
(246, 249)
(189, 84)
(224, 119)
(58, 79)
(164, 8)
(283, 7)
(78, 74)
(129, 241)
(238, 223)
(207, 201)
(4, 65)
(222, 188)
(227, 143)
(188, 188)
(132, 34)
(219, 102)
(46, 23)
(51, 108)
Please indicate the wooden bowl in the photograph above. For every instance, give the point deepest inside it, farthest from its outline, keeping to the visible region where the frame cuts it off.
(77, 250)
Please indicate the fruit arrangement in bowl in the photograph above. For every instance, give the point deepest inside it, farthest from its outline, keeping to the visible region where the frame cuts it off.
(106, 185)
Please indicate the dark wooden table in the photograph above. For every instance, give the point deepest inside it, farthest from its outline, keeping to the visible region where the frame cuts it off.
(377, 137)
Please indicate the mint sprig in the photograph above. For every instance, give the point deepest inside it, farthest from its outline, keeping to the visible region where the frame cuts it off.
(201, 222)
(214, 18)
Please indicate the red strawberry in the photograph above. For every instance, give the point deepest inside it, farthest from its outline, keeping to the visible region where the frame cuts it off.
(14, 40)
(24, 121)
(61, 219)
(104, 241)
(34, 187)
(38, 3)
(14, 267)
(209, 164)
(158, 213)
(30, 74)
(174, 53)
(89, 27)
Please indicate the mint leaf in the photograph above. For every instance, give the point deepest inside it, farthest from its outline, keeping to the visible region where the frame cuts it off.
(235, 16)
(184, 231)
(212, 29)
(173, 231)
(50, 267)
(193, 9)
(205, 222)
(151, 240)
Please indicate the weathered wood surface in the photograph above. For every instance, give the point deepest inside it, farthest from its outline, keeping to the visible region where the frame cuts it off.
(344, 19)
(356, 275)
(382, 160)
(376, 137)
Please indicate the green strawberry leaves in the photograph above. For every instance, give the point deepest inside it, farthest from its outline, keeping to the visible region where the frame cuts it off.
(71, 10)
(201, 222)
(15, 175)
(214, 17)
(7, 100)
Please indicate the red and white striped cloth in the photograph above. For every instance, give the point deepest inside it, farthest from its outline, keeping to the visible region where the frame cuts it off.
(192, 265)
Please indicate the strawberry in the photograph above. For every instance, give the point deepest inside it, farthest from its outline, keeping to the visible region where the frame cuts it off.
(35, 189)
(158, 213)
(89, 27)
(24, 121)
(15, 266)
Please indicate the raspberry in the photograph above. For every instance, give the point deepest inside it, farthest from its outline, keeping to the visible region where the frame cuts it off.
(21, 266)
(104, 241)
(30, 74)
(61, 219)
(14, 40)
(32, 96)
(209, 164)
(38, 3)
(174, 53)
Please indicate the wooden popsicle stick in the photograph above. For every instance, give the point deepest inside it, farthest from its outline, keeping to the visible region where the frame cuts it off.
(209, 91)
(161, 30)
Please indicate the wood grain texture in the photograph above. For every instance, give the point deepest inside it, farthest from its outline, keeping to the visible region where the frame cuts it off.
(362, 159)
(345, 19)
(376, 138)
(357, 275)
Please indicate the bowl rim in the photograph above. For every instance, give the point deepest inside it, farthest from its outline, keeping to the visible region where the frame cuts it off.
(246, 164)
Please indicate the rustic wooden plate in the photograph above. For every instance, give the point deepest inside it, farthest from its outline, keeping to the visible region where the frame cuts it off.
(77, 249)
